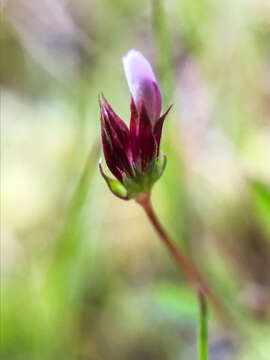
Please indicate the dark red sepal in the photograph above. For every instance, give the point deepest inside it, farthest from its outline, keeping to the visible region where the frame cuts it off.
(158, 127)
(109, 154)
(146, 144)
(133, 129)
(116, 141)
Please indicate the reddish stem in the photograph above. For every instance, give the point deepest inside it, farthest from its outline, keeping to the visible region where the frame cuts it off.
(190, 270)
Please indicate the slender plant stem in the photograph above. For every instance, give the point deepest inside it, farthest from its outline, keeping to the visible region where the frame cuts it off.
(190, 270)
(183, 262)
(203, 328)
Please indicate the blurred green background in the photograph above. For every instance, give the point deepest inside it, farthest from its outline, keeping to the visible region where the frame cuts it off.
(84, 276)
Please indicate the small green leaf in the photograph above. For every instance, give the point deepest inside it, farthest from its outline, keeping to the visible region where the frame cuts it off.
(116, 187)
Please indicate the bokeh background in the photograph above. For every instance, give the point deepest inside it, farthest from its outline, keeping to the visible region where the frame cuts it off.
(84, 276)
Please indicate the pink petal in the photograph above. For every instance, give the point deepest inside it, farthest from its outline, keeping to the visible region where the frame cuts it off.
(142, 84)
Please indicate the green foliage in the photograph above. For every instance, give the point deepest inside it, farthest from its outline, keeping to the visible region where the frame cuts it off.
(164, 50)
(177, 300)
(261, 200)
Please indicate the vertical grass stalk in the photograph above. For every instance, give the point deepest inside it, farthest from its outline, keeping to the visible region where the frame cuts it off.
(203, 328)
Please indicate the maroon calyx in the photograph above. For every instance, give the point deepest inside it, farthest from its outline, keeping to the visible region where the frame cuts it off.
(128, 150)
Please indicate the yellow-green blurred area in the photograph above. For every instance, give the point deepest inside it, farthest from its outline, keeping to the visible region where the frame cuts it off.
(84, 276)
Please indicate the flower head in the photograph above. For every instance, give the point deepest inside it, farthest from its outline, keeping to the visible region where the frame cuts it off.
(132, 154)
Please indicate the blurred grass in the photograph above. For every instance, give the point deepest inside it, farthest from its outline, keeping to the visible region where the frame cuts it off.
(260, 193)
(164, 51)
(83, 274)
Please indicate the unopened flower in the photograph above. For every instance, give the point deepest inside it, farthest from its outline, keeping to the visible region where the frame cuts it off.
(132, 154)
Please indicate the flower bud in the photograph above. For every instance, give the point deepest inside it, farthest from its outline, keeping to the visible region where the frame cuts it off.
(132, 154)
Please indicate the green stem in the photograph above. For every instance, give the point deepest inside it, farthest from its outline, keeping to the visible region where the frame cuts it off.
(203, 328)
